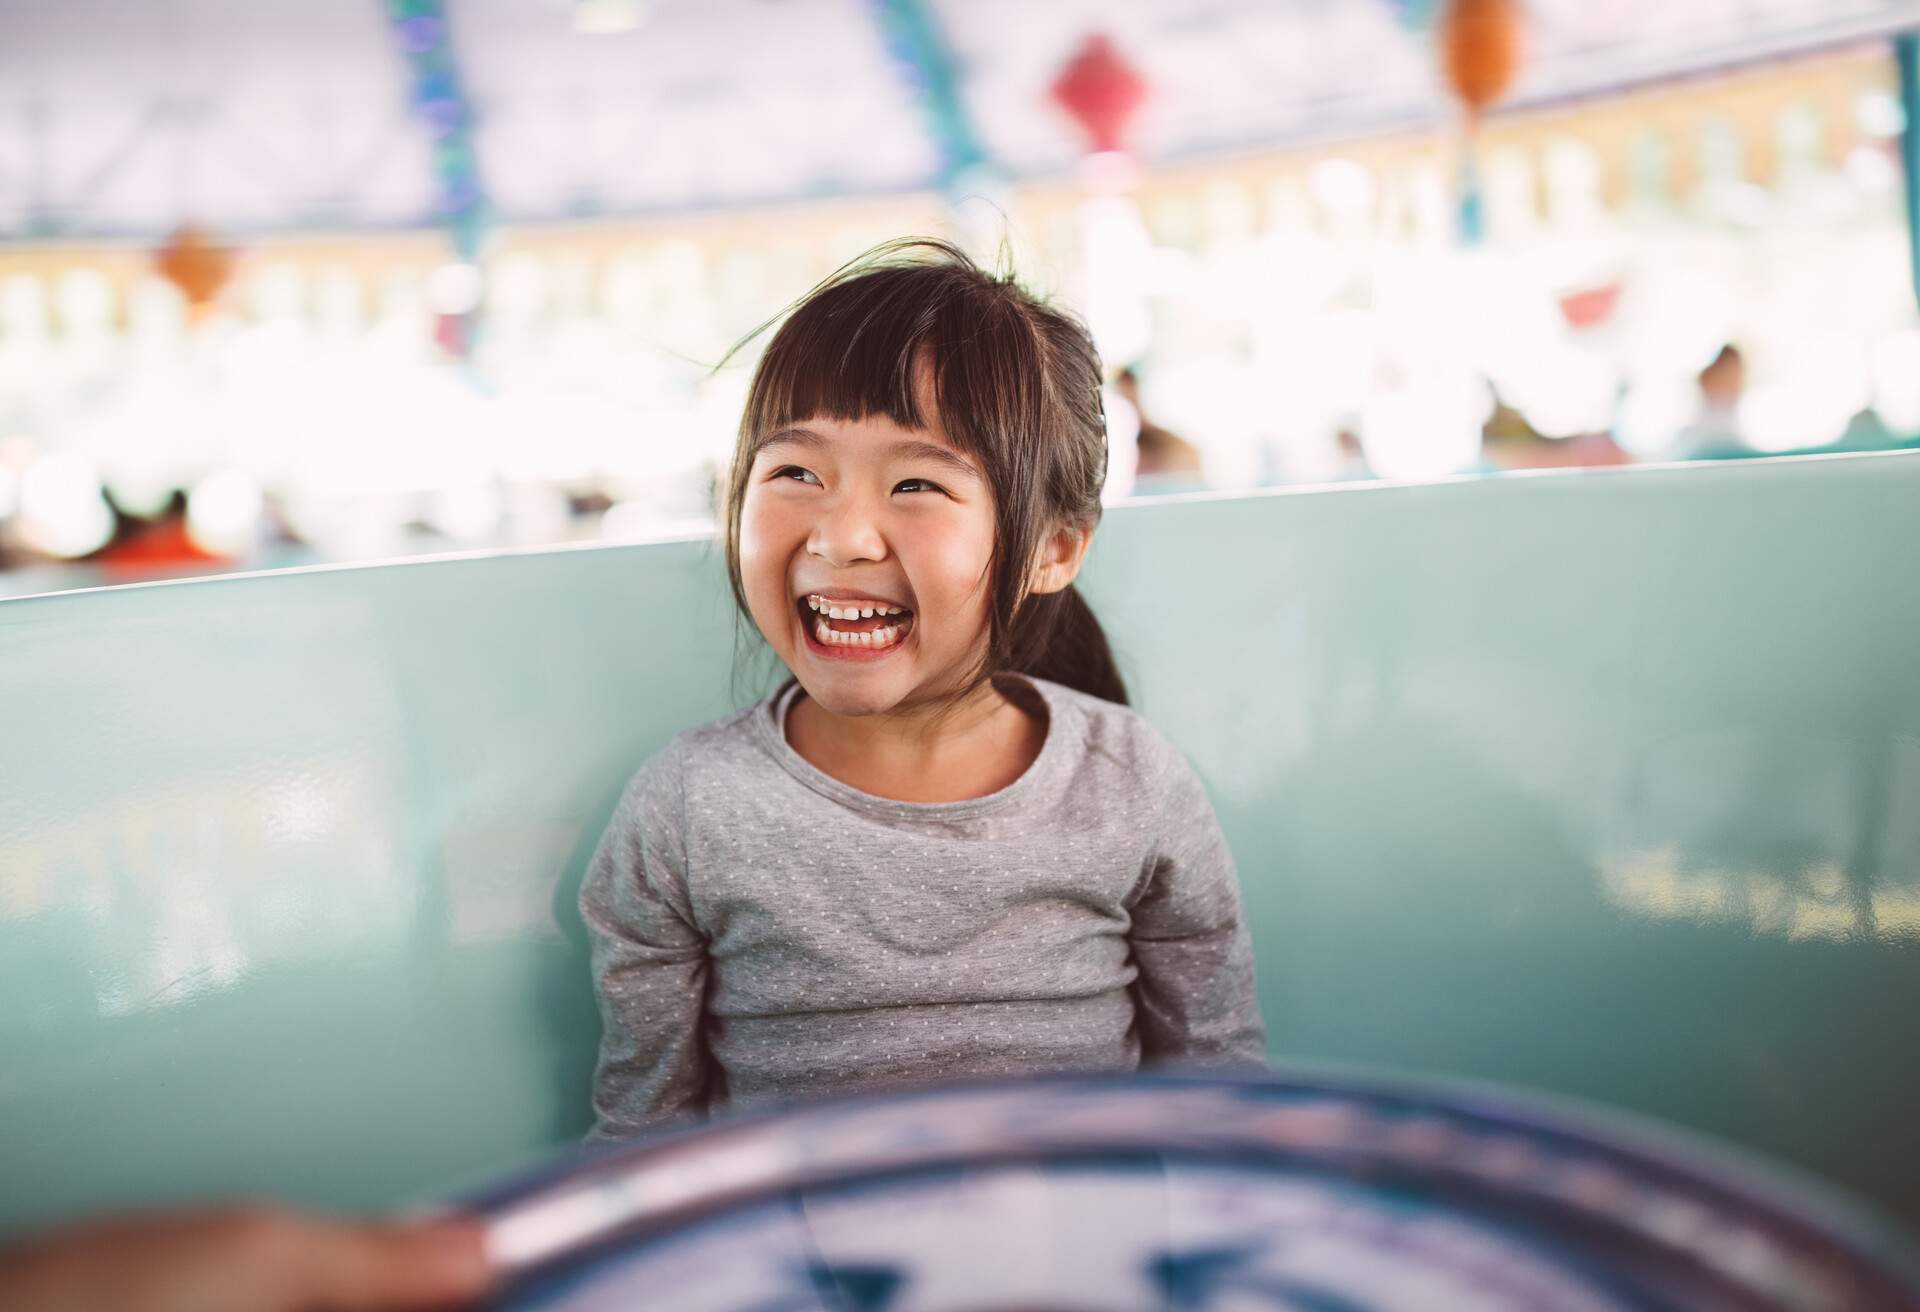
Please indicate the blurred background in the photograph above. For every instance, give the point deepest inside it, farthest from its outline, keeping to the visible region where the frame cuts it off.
(287, 283)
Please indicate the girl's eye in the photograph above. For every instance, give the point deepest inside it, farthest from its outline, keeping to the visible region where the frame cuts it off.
(795, 474)
(914, 483)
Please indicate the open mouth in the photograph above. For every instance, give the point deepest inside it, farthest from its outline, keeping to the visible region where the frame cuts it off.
(851, 627)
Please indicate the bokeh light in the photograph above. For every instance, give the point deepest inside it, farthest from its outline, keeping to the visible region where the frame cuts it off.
(63, 508)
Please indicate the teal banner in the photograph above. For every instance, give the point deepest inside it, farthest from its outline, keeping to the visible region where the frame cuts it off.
(1906, 48)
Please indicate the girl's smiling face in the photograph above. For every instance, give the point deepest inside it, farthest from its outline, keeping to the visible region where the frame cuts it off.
(868, 514)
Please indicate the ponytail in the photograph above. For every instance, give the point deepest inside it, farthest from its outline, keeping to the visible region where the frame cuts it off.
(1057, 638)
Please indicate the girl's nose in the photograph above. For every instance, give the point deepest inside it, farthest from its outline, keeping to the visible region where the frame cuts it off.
(847, 531)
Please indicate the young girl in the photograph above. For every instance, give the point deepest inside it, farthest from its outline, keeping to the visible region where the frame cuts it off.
(945, 847)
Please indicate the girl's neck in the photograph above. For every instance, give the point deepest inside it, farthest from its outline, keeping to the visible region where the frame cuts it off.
(973, 751)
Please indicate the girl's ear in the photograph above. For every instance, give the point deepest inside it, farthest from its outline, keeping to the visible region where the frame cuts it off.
(1061, 553)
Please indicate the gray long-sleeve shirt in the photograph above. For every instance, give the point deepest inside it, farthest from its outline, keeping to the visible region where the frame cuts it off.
(762, 932)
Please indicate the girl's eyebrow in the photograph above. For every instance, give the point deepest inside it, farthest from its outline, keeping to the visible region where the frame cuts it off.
(939, 455)
(913, 449)
(797, 436)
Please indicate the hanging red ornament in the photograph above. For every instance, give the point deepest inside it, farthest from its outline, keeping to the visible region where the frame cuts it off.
(1480, 50)
(1102, 92)
(192, 262)
(1587, 307)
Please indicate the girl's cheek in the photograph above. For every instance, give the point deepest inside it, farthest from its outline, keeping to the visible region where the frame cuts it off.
(955, 577)
(763, 565)
(761, 528)
(958, 557)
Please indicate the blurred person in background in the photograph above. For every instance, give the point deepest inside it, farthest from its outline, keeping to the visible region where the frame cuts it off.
(1507, 439)
(141, 548)
(253, 1258)
(1715, 434)
(1353, 465)
(1168, 462)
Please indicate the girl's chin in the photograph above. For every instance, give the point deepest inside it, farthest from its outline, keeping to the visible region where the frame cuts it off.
(853, 692)
(868, 683)
(841, 702)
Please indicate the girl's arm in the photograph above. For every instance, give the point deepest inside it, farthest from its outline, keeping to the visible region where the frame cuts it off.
(649, 965)
(1195, 991)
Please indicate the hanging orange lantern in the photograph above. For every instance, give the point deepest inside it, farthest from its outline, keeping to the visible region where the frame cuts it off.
(1480, 50)
(192, 262)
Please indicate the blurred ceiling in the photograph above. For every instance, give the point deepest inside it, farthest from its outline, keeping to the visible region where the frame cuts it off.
(123, 119)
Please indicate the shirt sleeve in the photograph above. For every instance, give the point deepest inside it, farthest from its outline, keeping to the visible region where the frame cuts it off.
(1194, 994)
(650, 963)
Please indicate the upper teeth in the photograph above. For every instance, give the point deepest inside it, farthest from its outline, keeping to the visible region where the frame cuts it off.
(853, 610)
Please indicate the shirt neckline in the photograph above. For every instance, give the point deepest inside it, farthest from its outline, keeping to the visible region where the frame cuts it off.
(770, 719)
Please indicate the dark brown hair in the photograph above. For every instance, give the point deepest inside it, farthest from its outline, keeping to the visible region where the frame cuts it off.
(1016, 385)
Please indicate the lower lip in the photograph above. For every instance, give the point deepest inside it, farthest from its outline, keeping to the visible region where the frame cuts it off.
(857, 655)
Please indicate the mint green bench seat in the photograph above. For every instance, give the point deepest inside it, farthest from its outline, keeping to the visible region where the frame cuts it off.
(1606, 784)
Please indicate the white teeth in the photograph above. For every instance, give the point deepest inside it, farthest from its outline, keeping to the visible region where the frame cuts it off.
(860, 610)
(832, 637)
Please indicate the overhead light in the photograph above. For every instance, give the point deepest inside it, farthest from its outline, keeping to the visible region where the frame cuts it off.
(607, 17)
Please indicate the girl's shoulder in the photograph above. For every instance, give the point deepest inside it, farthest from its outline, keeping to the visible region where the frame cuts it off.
(1118, 735)
(720, 745)
(1132, 766)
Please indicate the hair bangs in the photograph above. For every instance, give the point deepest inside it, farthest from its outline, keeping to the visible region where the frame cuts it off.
(849, 353)
(856, 349)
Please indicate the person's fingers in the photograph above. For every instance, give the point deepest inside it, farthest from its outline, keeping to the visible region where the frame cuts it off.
(340, 1266)
(246, 1258)
(215, 1259)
